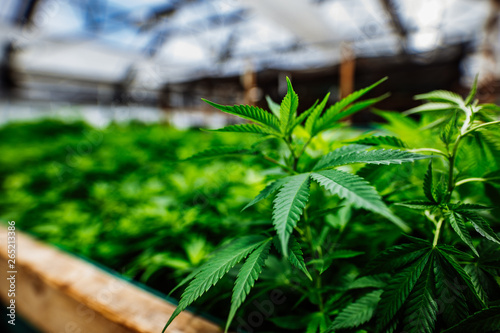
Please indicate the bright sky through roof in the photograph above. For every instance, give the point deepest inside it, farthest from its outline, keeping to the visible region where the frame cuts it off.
(182, 51)
(201, 37)
(429, 13)
(428, 16)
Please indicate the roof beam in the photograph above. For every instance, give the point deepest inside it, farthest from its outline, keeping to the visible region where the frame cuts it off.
(26, 11)
(396, 22)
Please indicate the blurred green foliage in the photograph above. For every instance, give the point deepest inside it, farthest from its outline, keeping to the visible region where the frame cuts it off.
(121, 197)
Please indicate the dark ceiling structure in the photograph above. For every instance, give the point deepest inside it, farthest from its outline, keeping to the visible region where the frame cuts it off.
(52, 49)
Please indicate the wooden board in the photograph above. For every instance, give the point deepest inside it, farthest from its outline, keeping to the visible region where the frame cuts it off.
(60, 293)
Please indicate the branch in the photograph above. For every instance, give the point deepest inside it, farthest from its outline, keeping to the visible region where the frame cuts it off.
(272, 160)
(479, 126)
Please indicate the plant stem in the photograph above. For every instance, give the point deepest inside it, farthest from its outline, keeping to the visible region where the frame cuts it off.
(272, 160)
(307, 230)
(317, 275)
(451, 181)
(438, 231)
(451, 185)
(288, 141)
(304, 148)
(437, 151)
(479, 126)
(451, 159)
(468, 180)
(318, 291)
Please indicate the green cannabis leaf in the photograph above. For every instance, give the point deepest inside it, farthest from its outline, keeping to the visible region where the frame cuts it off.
(382, 140)
(247, 276)
(211, 272)
(263, 118)
(358, 312)
(379, 156)
(486, 320)
(288, 108)
(288, 206)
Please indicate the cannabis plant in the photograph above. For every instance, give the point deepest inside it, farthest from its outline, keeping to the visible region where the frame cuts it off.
(402, 287)
(434, 284)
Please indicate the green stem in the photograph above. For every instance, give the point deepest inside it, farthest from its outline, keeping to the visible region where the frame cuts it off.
(451, 159)
(451, 186)
(288, 141)
(302, 151)
(430, 217)
(318, 291)
(468, 180)
(438, 231)
(307, 230)
(304, 148)
(300, 231)
(451, 183)
(317, 275)
(479, 126)
(272, 160)
(437, 151)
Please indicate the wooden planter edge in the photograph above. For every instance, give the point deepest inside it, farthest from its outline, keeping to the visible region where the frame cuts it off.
(58, 292)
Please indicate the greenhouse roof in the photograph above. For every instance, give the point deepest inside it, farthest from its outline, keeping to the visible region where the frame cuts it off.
(163, 41)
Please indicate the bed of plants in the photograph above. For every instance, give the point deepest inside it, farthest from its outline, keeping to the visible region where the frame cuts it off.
(388, 230)
(113, 195)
